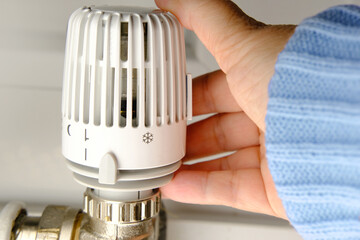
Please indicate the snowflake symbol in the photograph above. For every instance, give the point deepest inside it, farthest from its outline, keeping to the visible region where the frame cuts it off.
(148, 138)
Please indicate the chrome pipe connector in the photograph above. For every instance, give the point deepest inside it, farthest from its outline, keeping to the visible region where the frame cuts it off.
(56, 223)
(101, 219)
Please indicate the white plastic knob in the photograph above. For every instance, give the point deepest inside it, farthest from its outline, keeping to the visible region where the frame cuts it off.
(126, 96)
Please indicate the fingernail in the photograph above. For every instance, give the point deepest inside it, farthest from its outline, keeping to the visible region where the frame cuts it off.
(161, 3)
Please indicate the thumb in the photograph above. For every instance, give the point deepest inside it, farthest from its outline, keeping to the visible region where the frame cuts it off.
(219, 24)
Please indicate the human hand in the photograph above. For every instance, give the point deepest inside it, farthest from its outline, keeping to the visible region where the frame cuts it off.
(246, 51)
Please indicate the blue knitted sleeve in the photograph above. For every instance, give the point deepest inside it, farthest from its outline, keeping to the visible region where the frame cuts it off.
(313, 125)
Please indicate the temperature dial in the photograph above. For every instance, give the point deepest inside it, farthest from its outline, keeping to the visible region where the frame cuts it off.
(126, 97)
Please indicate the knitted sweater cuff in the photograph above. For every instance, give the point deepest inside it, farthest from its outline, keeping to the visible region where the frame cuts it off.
(313, 125)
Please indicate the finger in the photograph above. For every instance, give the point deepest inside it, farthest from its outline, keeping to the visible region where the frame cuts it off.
(219, 24)
(243, 189)
(211, 94)
(243, 159)
(220, 133)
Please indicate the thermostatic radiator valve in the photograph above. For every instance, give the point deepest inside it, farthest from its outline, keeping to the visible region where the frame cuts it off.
(126, 102)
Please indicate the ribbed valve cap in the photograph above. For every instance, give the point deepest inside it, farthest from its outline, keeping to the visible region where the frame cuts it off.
(126, 97)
